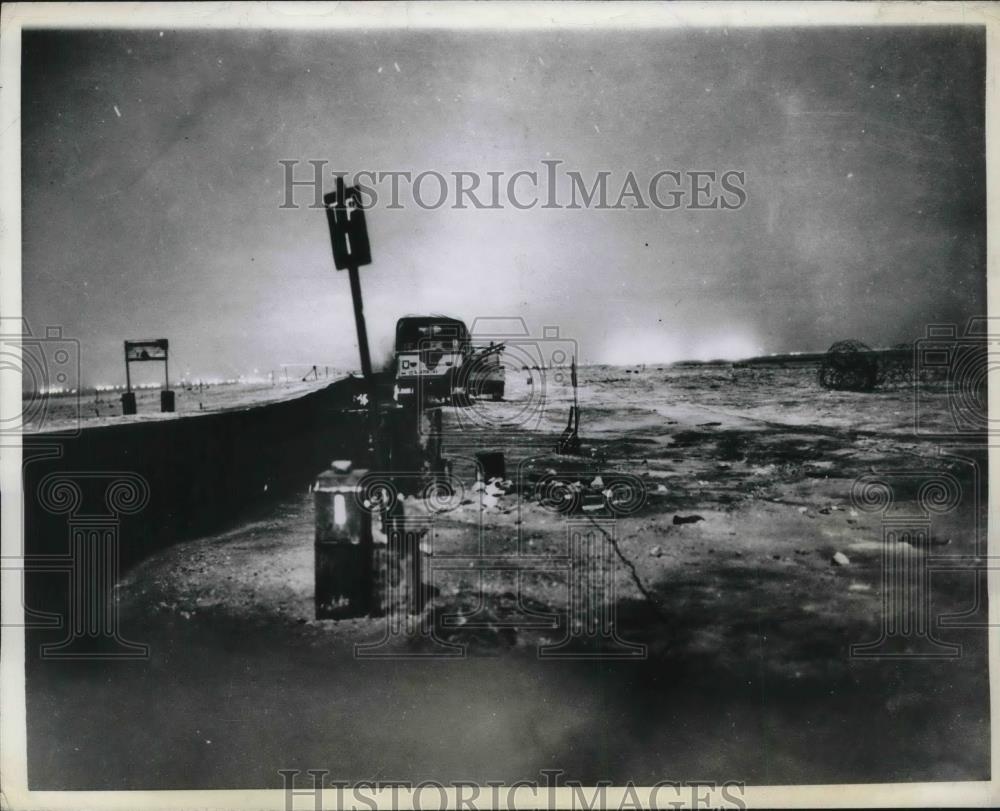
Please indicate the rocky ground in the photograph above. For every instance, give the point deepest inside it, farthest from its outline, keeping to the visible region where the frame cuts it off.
(745, 571)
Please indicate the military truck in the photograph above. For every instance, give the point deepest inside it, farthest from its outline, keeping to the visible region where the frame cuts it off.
(435, 358)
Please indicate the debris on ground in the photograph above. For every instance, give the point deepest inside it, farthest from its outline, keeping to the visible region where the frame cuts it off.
(687, 519)
(840, 559)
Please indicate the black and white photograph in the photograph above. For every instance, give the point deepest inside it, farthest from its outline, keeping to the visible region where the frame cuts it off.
(487, 405)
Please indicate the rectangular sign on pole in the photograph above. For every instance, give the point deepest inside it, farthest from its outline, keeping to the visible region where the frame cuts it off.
(348, 230)
(152, 349)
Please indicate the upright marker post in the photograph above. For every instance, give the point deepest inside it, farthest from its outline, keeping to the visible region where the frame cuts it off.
(128, 397)
(351, 250)
(359, 319)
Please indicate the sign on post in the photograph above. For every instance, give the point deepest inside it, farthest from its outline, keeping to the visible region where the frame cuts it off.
(348, 230)
(154, 349)
(150, 349)
(349, 239)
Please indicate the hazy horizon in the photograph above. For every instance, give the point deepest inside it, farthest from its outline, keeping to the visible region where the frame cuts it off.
(152, 188)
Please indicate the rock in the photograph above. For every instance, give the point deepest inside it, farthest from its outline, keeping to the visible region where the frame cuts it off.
(656, 551)
(803, 510)
(597, 483)
(661, 488)
(687, 519)
(825, 511)
(840, 559)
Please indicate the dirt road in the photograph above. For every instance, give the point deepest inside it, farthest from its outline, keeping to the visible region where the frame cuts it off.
(746, 621)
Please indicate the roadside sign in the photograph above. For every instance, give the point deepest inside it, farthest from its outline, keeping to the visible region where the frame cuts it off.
(348, 230)
(149, 349)
(152, 349)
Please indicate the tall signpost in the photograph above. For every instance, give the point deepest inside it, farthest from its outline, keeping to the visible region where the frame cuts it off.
(152, 349)
(351, 250)
(349, 235)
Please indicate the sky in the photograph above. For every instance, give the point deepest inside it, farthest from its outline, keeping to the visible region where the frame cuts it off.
(152, 188)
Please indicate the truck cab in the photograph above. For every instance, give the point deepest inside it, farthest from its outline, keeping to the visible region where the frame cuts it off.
(434, 357)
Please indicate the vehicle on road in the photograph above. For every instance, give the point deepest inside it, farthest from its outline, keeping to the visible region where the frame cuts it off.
(435, 358)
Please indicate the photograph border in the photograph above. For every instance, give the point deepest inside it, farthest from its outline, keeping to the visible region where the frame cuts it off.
(539, 16)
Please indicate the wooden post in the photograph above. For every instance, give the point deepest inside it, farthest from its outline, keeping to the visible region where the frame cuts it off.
(128, 397)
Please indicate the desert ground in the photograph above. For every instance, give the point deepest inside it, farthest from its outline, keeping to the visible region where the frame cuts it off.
(746, 620)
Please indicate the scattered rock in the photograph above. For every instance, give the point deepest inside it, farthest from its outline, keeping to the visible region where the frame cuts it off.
(825, 510)
(597, 483)
(803, 510)
(656, 551)
(661, 488)
(840, 559)
(859, 587)
(687, 519)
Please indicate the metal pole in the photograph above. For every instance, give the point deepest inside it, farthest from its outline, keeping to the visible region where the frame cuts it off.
(359, 320)
(128, 376)
(366, 367)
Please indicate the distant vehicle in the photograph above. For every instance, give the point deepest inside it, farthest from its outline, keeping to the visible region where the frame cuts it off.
(434, 357)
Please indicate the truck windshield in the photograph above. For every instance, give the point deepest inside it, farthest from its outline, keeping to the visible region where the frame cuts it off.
(411, 336)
